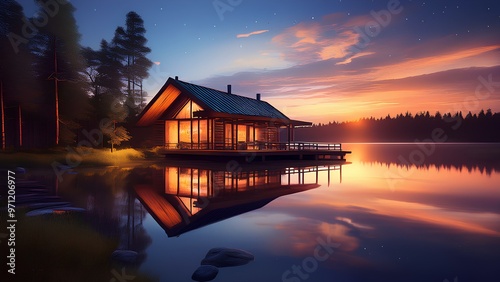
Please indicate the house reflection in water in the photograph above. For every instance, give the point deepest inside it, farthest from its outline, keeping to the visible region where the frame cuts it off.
(181, 199)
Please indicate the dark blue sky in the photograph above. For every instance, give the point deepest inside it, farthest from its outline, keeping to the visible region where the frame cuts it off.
(317, 60)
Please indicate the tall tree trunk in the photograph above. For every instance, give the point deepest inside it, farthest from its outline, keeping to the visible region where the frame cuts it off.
(128, 75)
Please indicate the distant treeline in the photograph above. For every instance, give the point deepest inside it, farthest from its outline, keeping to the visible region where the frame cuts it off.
(481, 127)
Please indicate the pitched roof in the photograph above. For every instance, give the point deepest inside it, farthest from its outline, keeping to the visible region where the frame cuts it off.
(223, 102)
(214, 103)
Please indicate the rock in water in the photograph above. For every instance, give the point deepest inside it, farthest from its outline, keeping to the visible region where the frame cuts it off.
(224, 257)
(205, 273)
(124, 256)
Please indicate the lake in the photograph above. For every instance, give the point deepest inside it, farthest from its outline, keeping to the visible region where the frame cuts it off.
(394, 212)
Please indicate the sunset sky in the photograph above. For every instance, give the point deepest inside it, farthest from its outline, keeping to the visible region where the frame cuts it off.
(319, 60)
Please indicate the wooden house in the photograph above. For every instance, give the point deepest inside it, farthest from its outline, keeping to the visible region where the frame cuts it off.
(188, 116)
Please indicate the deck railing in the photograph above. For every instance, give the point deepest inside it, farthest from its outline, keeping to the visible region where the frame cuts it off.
(261, 146)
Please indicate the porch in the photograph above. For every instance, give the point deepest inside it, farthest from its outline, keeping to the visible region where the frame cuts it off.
(257, 151)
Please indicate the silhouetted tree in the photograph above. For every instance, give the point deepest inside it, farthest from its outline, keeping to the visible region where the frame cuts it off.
(131, 44)
(60, 68)
(114, 72)
(18, 88)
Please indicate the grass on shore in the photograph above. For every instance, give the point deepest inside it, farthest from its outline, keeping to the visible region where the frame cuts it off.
(72, 157)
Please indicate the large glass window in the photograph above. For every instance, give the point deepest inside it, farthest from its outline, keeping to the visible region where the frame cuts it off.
(191, 129)
(250, 133)
(195, 131)
(229, 134)
(203, 131)
(242, 133)
(260, 134)
(185, 131)
(187, 110)
(171, 131)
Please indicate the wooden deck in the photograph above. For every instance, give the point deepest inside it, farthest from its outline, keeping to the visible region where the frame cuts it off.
(270, 151)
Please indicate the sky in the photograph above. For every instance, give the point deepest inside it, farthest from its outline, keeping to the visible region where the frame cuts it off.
(319, 60)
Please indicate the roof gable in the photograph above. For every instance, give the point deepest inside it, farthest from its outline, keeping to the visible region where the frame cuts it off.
(158, 105)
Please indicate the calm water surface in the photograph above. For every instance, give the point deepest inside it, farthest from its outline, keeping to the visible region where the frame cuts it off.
(396, 212)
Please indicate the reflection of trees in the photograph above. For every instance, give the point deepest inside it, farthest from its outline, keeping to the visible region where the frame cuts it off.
(111, 211)
(464, 157)
(133, 236)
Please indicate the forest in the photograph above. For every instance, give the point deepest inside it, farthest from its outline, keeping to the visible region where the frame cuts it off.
(55, 91)
(421, 127)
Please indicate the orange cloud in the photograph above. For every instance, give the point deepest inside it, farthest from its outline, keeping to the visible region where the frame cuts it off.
(470, 57)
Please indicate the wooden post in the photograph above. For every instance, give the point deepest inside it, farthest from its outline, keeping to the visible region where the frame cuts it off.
(328, 175)
(178, 134)
(290, 129)
(317, 175)
(254, 140)
(224, 134)
(191, 120)
(236, 135)
(191, 131)
(232, 135)
(340, 173)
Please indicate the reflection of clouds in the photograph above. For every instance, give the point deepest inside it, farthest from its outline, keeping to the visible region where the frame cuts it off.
(339, 234)
(470, 222)
(350, 222)
(300, 236)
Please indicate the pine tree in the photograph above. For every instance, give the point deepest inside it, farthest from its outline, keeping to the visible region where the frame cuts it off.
(60, 68)
(18, 89)
(131, 44)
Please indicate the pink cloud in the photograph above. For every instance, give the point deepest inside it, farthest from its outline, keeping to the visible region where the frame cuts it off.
(244, 35)
(332, 37)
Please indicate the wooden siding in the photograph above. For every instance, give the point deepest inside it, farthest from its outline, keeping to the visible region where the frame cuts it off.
(156, 108)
